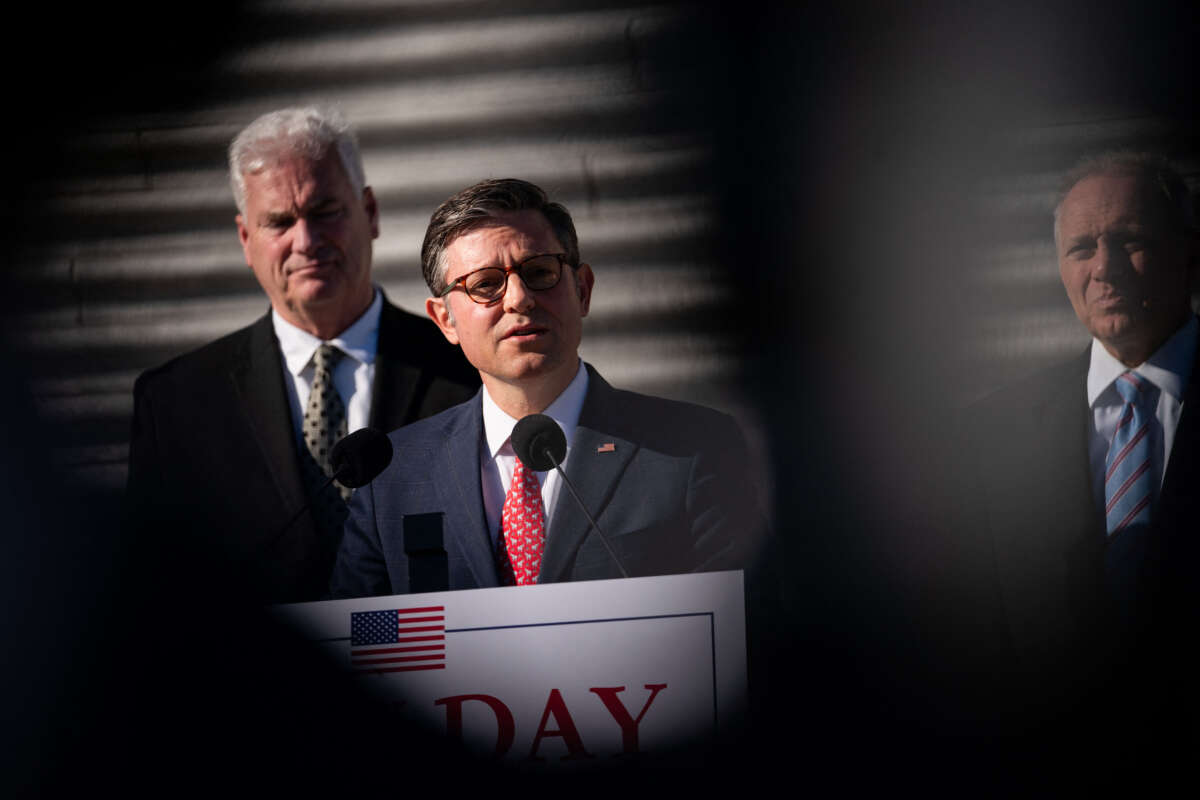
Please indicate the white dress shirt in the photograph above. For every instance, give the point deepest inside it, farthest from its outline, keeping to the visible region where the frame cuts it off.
(353, 375)
(498, 460)
(1168, 370)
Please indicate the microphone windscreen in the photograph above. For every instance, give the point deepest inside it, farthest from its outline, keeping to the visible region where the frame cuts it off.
(539, 442)
(359, 457)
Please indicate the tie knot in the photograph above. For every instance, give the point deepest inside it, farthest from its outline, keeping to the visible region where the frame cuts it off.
(1130, 385)
(327, 357)
(519, 468)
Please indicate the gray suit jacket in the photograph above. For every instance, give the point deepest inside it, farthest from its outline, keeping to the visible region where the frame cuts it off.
(214, 464)
(673, 495)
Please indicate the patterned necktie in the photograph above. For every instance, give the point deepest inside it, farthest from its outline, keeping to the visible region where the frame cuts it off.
(522, 529)
(324, 425)
(1128, 479)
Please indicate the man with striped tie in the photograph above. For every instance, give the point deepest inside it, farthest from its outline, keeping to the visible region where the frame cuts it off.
(1086, 475)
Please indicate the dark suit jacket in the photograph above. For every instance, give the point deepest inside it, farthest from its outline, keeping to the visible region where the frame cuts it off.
(214, 459)
(673, 495)
(1037, 547)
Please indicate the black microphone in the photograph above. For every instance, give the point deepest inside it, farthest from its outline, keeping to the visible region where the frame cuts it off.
(541, 445)
(356, 460)
(539, 442)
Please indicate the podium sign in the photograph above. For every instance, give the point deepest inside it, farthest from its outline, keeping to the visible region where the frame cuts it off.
(555, 673)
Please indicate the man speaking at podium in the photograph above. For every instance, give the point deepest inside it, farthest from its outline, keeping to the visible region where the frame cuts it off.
(667, 482)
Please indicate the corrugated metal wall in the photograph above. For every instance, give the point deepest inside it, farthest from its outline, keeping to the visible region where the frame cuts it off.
(138, 259)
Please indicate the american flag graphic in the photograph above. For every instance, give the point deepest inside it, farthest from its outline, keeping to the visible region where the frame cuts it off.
(398, 640)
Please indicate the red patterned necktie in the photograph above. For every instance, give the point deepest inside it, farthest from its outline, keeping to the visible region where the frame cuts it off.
(522, 529)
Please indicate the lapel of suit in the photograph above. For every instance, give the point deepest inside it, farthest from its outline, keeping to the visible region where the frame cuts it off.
(1063, 423)
(1049, 544)
(1174, 549)
(1182, 467)
(595, 472)
(462, 493)
(257, 377)
(395, 378)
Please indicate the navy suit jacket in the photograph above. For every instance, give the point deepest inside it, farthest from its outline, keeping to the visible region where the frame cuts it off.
(673, 494)
(214, 463)
(1037, 546)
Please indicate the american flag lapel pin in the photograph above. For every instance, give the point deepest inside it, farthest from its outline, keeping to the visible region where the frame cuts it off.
(607, 447)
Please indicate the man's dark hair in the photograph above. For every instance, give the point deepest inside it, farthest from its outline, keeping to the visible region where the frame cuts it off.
(484, 201)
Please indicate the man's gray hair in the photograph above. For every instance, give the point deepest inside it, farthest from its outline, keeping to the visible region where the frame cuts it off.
(1157, 170)
(308, 132)
(484, 201)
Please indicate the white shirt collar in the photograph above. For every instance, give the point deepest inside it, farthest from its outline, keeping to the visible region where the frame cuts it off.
(1169, 368)
(565, 410)
(359, 341)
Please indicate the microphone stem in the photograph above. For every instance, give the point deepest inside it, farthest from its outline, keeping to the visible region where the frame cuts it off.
(588, 514)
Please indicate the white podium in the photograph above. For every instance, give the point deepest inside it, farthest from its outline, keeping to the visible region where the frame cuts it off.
(555, 674)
